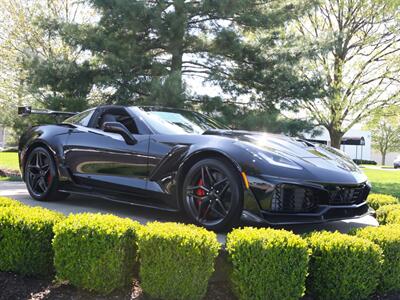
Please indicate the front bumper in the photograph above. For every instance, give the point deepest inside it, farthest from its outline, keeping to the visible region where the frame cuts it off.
(279, 201)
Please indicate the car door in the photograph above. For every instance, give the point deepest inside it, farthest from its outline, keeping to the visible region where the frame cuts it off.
(104, 160)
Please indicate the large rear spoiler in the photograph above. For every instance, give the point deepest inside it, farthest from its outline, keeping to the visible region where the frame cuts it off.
(27, 110)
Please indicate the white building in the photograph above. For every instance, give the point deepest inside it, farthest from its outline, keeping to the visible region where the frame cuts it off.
(353, 136)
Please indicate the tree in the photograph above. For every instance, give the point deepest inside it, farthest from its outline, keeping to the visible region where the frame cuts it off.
(144, 50)
(385, 129)
(357, 42)
(240, 116)
(24, 42)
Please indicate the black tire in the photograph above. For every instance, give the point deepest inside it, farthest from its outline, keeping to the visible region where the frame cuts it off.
(41, 176)
(212, 194)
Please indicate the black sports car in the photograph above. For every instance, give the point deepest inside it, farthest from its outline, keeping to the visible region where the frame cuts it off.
(176, 159)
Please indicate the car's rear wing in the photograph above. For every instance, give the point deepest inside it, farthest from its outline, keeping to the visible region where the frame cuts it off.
(27, 110)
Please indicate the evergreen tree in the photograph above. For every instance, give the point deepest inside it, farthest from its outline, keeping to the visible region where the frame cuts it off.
(143, 50)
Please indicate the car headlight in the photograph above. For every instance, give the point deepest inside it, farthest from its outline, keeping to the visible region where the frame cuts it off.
(278, 160)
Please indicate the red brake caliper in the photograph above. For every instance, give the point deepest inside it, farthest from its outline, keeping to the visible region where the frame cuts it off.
(49, 178)
(200, 192)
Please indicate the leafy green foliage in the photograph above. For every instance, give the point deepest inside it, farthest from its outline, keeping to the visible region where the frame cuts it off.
(144, 51)
(176, 260)
(26, 234)
(239, 116)
(393, 217)
(378, 200)
(94, 251)
(8, 202)
(388, 238)
(383, 212)
(384, 125)
(267, 263)
(357, 70)
(342, 266)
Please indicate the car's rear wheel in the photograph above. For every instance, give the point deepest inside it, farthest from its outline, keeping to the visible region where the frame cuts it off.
(41, 176)
(213, 194)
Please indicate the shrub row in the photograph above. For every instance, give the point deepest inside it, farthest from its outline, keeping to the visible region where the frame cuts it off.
(267, 263)
(364, 162)
(99, 253)
(25, 238)
(378, 200)
(95, 252)
(176, 260)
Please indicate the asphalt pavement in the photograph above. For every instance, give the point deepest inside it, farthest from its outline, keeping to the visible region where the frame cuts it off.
(79, 204)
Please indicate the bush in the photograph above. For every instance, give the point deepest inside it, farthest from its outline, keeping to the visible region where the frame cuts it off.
(176, 260)
(393, 217)
(383, 211)
(7, 202)
(342, 266)
(377, 200)
(388, 238)
(365, 162)
(25, 239)
(95, 251)
(267, 263)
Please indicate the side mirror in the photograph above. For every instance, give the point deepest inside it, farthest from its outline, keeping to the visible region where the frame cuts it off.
(116, 127)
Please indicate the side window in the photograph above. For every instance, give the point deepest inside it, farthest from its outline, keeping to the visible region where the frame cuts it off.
(81, 119)
(117, 115)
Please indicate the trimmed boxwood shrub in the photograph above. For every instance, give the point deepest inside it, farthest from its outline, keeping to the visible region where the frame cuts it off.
(95, 251)
(393, 217)
(176, 260)
(388, 238)
(7, 202)
(364, 162)
(25, 239)
(267, 263)
(377, 200)
(343, 266)
(383, 211)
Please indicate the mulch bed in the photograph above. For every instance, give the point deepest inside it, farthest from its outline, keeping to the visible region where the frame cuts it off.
(16, 287)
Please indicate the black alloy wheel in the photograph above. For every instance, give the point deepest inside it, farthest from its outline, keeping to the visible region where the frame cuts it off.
(41, 177)
(213, 194)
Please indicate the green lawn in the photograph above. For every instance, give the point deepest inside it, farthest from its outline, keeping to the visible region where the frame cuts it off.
(9, 161)
(384, 181)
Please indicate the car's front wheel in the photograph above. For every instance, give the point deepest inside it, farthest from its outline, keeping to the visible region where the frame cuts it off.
(41, 176)
(213, 194)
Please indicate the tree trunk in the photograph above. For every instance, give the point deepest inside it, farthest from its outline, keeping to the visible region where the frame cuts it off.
(383, 158)
(336, 137)
(178, 29)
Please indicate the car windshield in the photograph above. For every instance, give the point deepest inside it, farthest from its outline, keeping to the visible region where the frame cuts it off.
(171, 121)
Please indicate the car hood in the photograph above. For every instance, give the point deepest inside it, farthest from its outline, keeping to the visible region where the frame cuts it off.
(298, 150)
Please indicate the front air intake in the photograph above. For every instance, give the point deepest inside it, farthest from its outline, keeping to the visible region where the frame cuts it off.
(292, 198)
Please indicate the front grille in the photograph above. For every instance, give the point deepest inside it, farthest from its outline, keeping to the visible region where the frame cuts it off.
(292, 198)
(339, 195)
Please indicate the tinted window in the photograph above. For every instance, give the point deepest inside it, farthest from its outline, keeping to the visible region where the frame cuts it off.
(81, 119)
(179, 121)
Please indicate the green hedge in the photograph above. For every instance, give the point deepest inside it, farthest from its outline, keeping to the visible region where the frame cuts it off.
(94, 251)
(25, 239)
(377, 200)
(388, 238)
(383, 211)
(393, 217)
(7, 202)
(176, 260)
(267, 263)
(342, 266)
